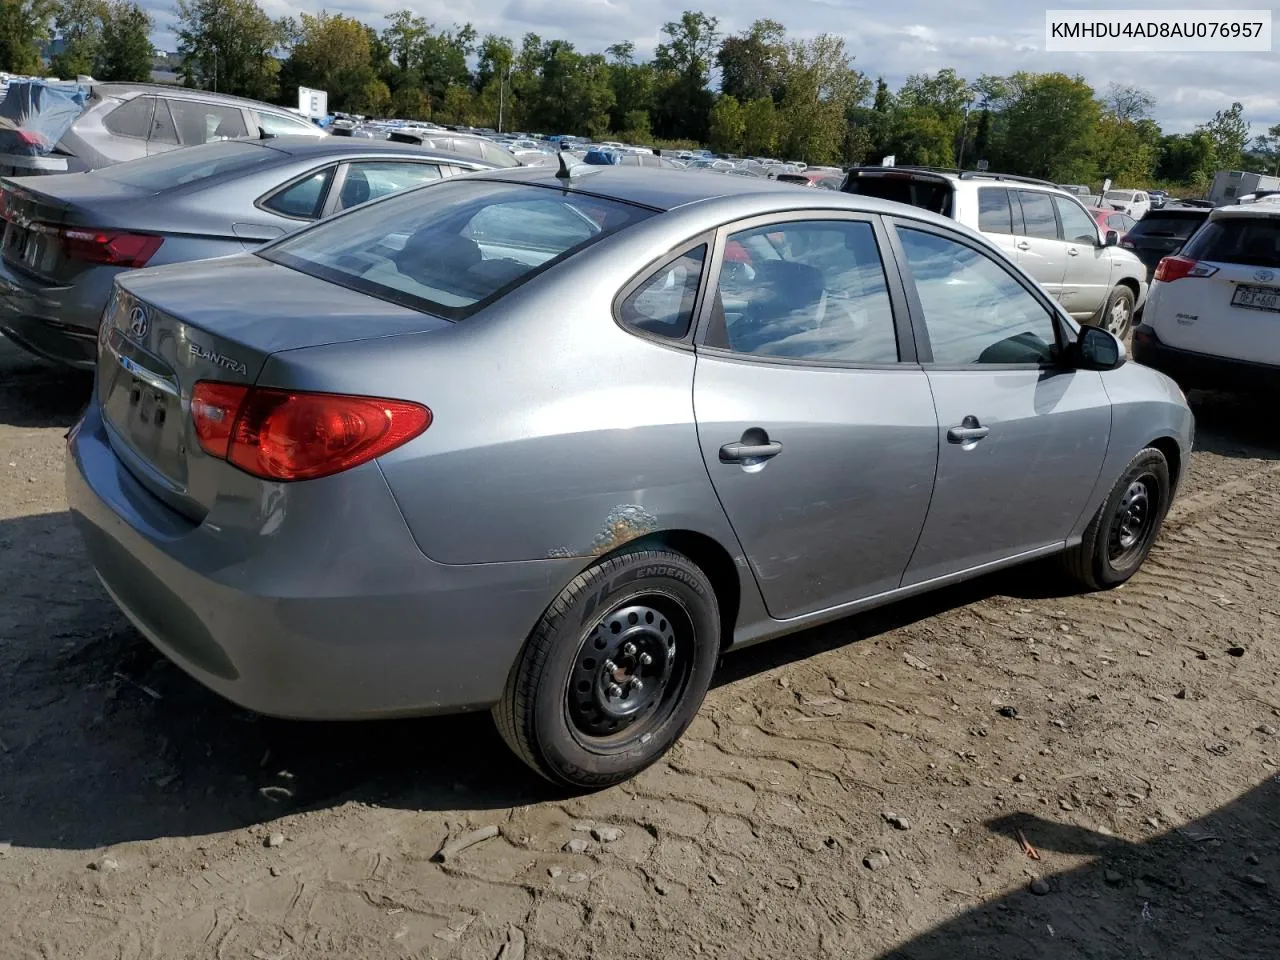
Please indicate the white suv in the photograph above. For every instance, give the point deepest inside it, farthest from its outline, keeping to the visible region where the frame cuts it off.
(1214, 314)
(1039, 226)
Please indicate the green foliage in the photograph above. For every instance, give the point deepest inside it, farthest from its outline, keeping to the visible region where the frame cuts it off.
(1230, 133)
(24, 26)
(126, 52)
(229, 46)
(728, 125)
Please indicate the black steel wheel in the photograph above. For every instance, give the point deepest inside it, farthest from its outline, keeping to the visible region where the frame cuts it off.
(615, 671)
(1124, 528)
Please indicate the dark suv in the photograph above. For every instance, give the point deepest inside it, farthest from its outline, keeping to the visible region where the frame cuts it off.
(1161, 233)
(124, 121)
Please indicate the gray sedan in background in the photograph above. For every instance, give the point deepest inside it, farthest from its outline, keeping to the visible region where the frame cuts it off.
(550, 442)
(64, 239)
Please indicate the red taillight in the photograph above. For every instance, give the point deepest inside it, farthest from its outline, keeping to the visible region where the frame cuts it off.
(292, 435)
(214, 407)
(113, 247)
(1175, 268)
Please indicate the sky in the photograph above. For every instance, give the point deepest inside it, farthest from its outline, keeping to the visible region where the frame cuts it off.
(889, 39)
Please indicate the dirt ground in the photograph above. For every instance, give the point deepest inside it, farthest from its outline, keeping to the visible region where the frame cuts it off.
(140, 816)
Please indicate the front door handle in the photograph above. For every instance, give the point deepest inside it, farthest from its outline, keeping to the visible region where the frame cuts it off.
(1072, 252)
(738, 452)
(968, 431)
(1022, 245)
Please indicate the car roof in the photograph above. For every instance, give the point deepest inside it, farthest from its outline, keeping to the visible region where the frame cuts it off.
(116, 89)
(664, 189)
(304, 146)
(1261, 209)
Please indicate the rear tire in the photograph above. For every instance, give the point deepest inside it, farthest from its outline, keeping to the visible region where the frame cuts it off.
(1117, 315)
(614, 672)
(1122, 532)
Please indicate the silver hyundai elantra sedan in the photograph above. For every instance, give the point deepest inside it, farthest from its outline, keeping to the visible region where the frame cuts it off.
(548, 442)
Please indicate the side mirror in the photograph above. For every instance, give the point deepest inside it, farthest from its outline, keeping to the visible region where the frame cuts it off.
(1099, 349)
(1112, 238)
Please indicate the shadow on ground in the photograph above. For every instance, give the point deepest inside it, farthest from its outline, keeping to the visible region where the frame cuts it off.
(1206, 890)
(1235, 425)
(34, 393)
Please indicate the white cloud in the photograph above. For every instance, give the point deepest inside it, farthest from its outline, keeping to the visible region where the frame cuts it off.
(889, 40)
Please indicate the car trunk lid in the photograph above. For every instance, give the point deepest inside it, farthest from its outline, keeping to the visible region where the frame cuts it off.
(38, 220)
(166, 330)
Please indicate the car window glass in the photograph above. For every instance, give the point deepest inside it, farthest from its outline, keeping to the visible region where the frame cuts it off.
(176, 167)
(1249, 241)
(1077, 226)
(663, 304)
(132, 119)
(455, 247)
(1037, 215)
(994, 213)
(201, 122)
(275, 125)
(162, 128)
(302, 199)
(367, 180)
(812, 290)
(974, 310)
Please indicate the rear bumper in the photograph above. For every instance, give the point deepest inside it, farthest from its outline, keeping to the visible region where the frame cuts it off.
(1200, 369)
(57, 323)
(321, 608)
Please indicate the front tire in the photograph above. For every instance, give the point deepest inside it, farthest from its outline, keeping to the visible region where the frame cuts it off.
(1122, 532)
(1117, 315)
(615, 670)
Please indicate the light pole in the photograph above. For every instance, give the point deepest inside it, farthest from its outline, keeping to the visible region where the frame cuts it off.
(503, 77)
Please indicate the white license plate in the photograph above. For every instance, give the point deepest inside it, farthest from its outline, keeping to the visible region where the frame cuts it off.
(1257, 298)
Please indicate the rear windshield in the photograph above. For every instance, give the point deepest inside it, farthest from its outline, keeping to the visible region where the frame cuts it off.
(934, 195)
(177, 167)
(453, 247)
(1124, 196)
(1164, 225)
(1251, 241)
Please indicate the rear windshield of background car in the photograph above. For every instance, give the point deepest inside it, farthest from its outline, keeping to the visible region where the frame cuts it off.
(1166, 225)
(1249, 241)
(928, 194)
(175, 168)
(453, 247)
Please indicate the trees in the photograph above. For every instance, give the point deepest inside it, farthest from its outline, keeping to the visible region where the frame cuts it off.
(229, 46)
(126, 51)
(24, 26)
(932, 110)
(727, 124)
(79, 25)
(1229, 132)
(759, 128)
(1048, 124)
(683, 61)
(821, 85)
(752, 64)
(332, 53)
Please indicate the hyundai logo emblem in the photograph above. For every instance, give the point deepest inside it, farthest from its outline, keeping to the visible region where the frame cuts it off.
(1263, 275)
(138, 322)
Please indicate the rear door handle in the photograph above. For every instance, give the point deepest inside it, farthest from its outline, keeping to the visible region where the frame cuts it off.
(968, 431)
(1022, 245)
(1072, 252)
(738, 452)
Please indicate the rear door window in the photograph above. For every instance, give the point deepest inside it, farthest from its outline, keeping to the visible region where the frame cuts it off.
(1248, 241)
(201, 122)
(132, 119)
(994, 212)
(303, 199)
(1037, 215)
(663, 304)
(370, 179)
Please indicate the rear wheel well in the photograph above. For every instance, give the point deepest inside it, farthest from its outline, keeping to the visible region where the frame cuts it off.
(1173, 454)
(712, 558)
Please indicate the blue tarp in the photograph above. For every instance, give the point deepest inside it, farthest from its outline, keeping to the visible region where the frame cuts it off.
(601, 158)
(34, 115)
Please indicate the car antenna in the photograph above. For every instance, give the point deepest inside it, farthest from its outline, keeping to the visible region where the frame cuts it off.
(564, 173)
